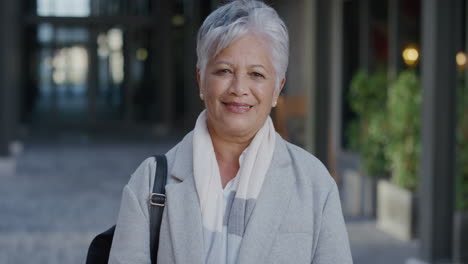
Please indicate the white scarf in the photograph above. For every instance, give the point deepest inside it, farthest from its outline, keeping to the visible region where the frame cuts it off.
(255, 163)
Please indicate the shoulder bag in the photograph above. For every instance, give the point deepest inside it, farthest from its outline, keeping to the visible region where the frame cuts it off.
(99, 249)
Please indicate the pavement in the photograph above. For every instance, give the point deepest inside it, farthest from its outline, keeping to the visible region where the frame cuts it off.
(371, 245)
(67, 190)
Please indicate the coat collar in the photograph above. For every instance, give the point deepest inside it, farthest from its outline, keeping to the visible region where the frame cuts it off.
(182, 161)
(270, 207)
(183, 206)
(184, 214)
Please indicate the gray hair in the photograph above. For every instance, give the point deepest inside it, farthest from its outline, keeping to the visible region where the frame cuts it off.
(237, 18)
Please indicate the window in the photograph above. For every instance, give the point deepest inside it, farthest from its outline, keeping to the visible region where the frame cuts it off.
(67, 8)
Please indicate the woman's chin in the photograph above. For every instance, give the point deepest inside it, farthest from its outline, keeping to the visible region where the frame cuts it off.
(235, 125)
(238, 129)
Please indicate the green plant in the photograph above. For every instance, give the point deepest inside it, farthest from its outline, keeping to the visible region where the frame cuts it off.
(366, 134)
(404, 123)
(462, 146)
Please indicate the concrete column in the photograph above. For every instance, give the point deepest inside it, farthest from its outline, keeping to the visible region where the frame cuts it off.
(364, 35)
(309, 24)
(193, 20)
(10, 59)
(16, 69)
(336, 83)
(5, 108)
(322, 81)
(129, 83)
(166, 82)
(394, 58)
(92, 76)
(8, 83)
(439, 29)
(309, 71)
(301, 75)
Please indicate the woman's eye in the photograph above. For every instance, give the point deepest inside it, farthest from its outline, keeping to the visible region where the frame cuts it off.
(257, 75)
(223, 71)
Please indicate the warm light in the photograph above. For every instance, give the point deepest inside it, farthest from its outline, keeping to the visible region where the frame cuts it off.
(115, 39)
(116, 57)
(103, 48)
(410, 55)
(59, 77)
(77, 68)
(141, 54)
(116, 63)
(178, 20)
(461, 59)
(70, 65)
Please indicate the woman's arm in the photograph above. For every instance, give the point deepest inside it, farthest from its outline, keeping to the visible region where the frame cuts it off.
(131, 238)
(333, 243)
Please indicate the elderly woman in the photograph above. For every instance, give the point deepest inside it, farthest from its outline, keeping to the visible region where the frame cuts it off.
(236, 191)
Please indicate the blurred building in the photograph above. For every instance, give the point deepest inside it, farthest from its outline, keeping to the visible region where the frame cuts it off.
(100, 64)
(129, 65)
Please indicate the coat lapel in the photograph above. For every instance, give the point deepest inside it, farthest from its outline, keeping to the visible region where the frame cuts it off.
(270, 207)
(184, 215)
(183, 207)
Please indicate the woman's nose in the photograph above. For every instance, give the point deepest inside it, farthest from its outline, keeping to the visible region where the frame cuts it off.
(239, 86)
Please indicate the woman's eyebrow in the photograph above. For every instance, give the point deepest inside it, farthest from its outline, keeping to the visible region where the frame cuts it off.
(224, 62)
(258, 66)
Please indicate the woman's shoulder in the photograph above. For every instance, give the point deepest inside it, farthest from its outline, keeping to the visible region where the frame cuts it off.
(142, 175)
(141, 180)
(310, 169)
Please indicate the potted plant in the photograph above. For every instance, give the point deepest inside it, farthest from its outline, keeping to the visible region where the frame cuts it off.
(460, 228)
(366, 136)
(396, 201)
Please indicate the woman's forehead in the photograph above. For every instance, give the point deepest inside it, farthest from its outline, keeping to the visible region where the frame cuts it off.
(249, 49)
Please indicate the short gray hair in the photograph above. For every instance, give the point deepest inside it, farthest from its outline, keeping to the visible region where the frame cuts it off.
(237, 18)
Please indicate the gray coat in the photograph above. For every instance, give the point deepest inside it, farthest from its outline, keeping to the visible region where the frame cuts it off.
(297, 217)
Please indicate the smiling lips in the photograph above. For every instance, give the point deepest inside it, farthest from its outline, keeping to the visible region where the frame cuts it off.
(237, 107)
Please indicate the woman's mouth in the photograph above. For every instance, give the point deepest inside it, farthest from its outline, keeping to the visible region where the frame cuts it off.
(237, 107)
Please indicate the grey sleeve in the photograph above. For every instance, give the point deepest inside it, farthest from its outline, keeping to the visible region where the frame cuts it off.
(333, 243)
(131, 238)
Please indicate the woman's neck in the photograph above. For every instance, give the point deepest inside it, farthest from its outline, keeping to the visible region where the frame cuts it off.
(228, 151)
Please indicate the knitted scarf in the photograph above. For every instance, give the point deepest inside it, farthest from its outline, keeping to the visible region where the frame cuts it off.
(224, 218)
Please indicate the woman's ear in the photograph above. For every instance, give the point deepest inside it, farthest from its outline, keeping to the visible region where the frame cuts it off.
(278, 91)
(283, 81)
(199, 84)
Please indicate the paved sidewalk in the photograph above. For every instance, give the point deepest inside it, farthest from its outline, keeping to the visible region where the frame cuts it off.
(65, 193)
(372, 246)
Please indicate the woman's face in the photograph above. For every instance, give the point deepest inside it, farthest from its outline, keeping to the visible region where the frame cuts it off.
(238, 87)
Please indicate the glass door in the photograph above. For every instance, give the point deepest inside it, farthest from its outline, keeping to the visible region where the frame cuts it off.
(62, 70)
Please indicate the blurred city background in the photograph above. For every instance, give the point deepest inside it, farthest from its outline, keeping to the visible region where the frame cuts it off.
(375, 89)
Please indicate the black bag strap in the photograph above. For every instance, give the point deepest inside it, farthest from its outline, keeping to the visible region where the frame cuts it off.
(157, 202)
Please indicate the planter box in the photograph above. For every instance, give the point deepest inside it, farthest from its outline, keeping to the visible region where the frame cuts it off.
(396, 210)
(7, 166)
(460, 237)
(358, 191)
(369, 196)
(351, 193)
(359, 194)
